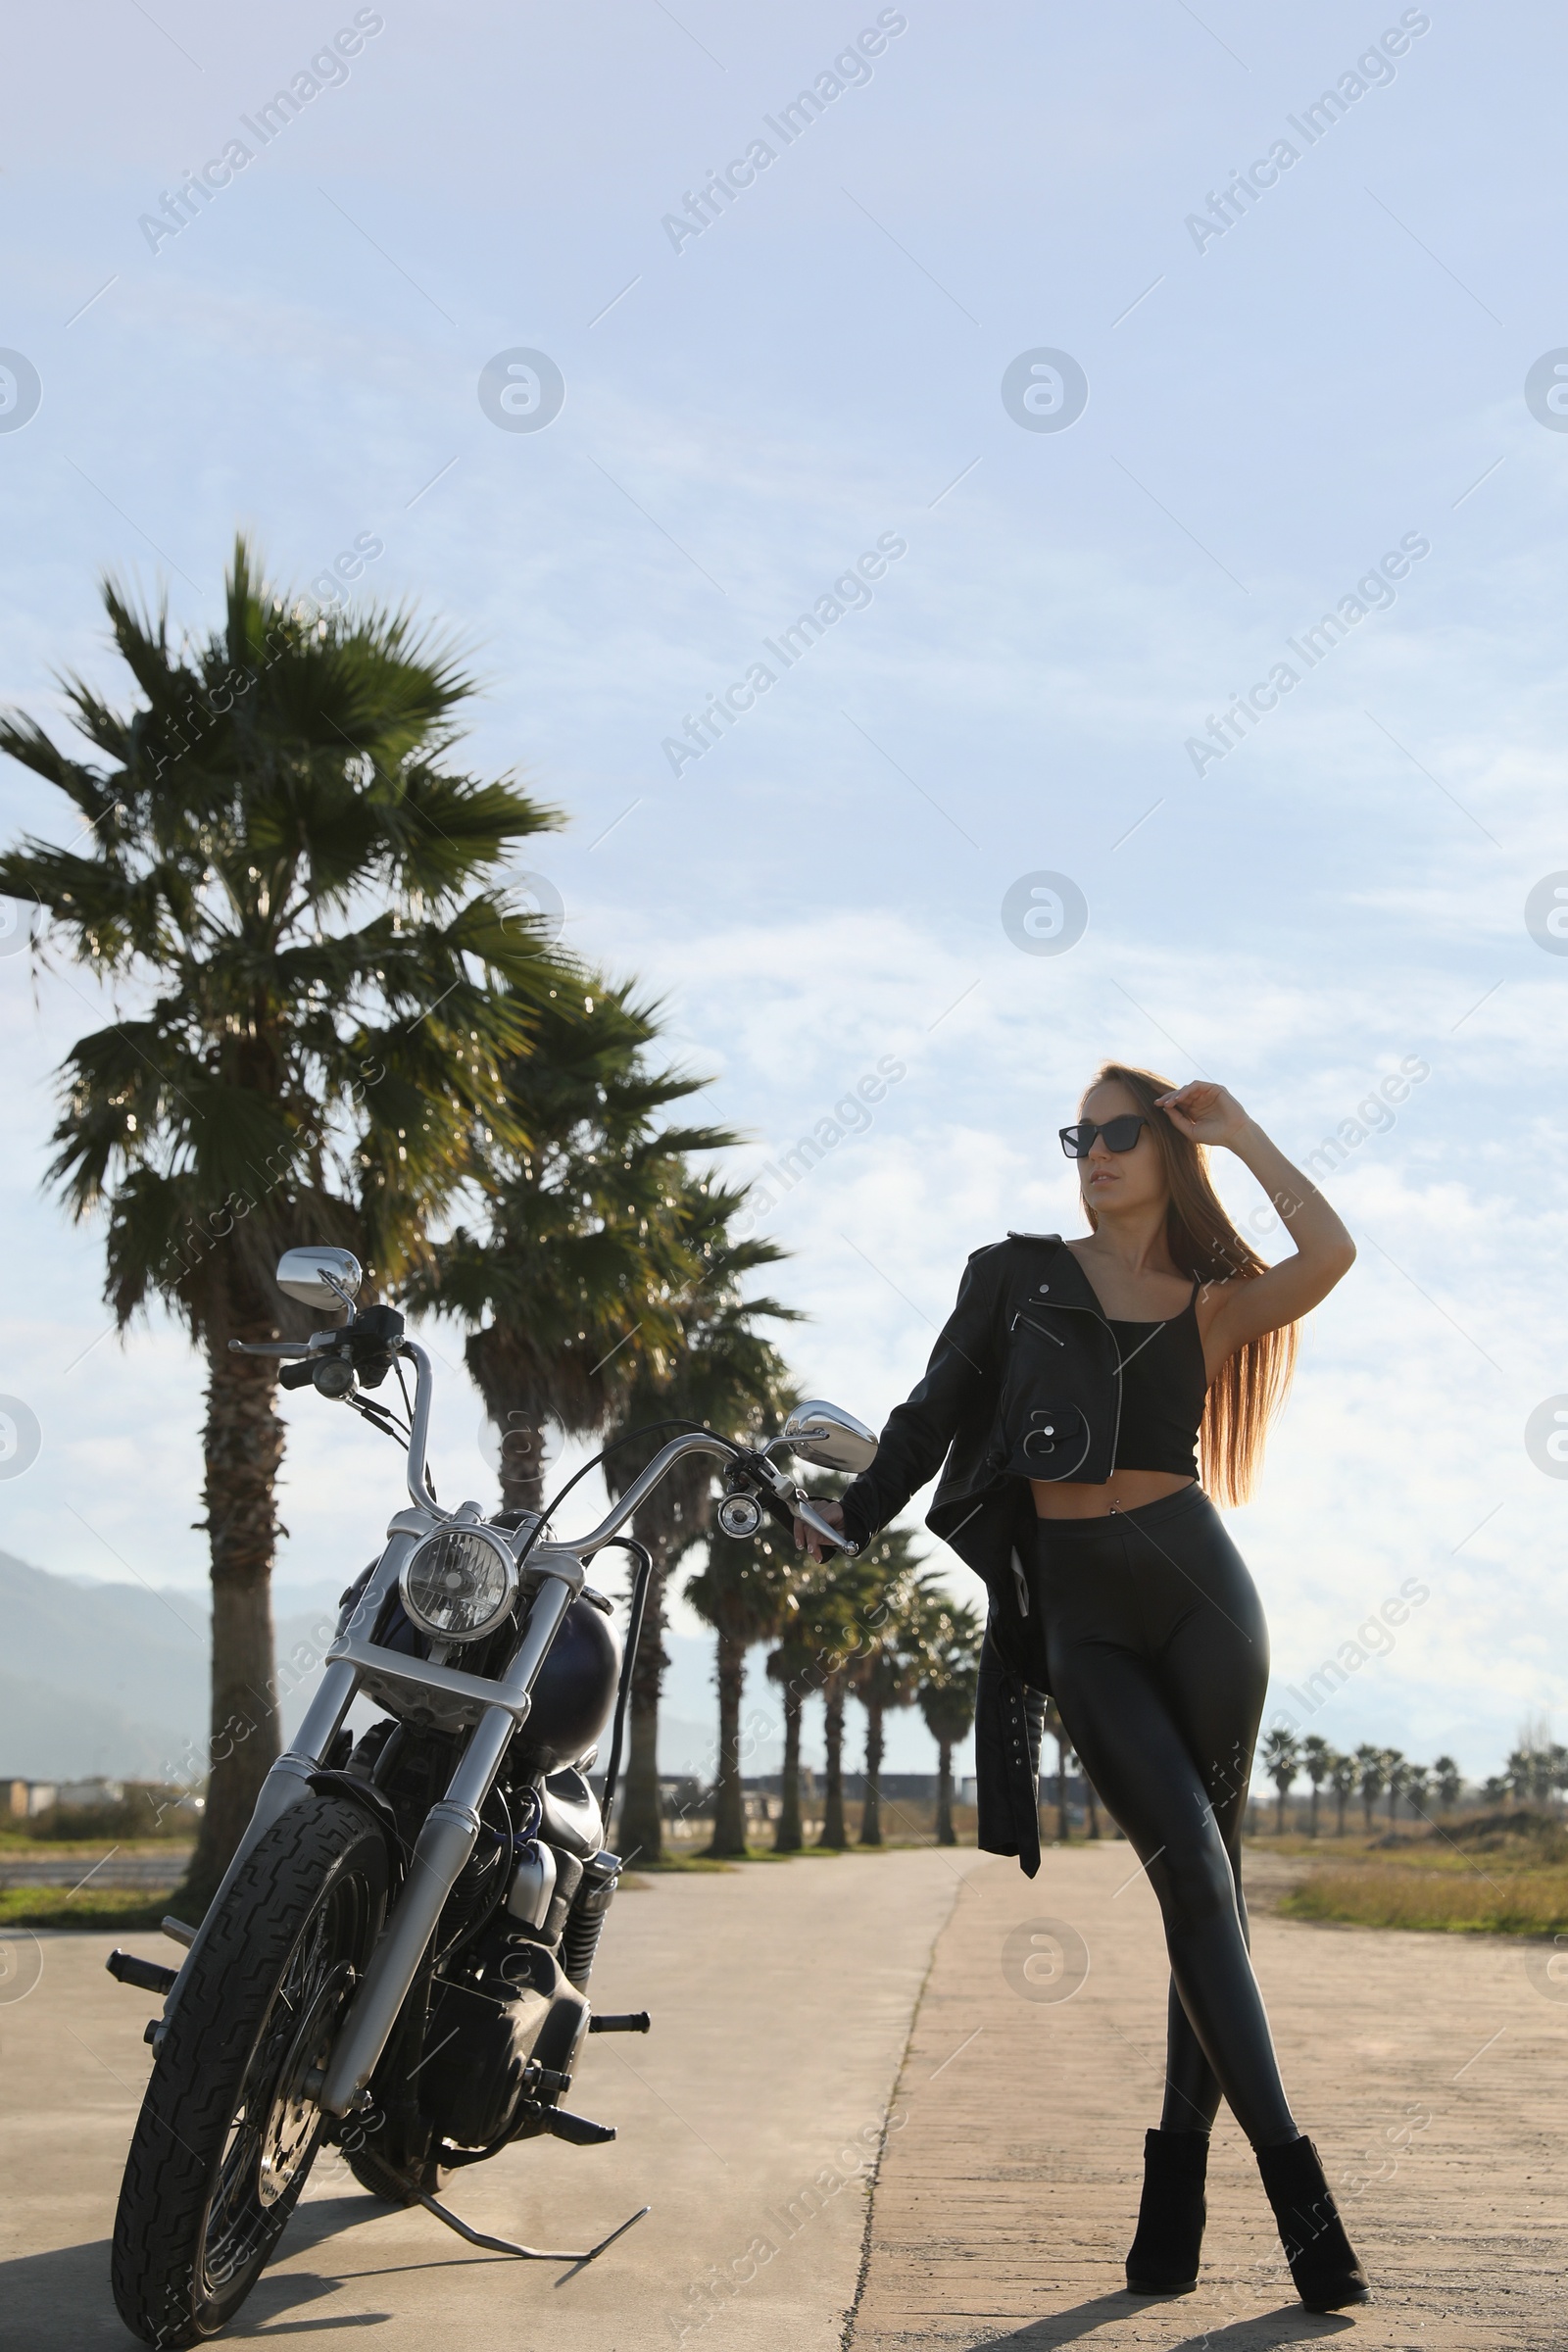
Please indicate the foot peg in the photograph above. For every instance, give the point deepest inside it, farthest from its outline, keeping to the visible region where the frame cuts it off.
(148, 1976)
(576, 2128)
(631, 2021)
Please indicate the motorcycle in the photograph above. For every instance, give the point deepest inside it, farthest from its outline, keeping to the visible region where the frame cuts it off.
(398, 1958)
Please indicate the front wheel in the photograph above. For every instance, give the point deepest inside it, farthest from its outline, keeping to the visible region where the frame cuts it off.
(228, 2132)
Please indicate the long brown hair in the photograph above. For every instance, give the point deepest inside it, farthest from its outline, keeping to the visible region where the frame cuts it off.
(1249, 1386)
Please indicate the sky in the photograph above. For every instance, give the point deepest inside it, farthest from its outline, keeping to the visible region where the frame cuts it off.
(1090, 434)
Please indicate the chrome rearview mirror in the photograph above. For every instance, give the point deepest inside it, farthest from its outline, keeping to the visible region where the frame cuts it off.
(319, 1276)
(828, 1436)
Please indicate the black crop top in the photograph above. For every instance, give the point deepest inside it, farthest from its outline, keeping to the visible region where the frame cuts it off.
(1163, 1385)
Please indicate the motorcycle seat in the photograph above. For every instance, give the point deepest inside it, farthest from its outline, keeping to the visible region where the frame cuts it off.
(570, 1817)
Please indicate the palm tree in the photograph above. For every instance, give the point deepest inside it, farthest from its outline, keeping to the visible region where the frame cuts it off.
(949, 1683)
(276, 863)
(1417, 1781)
(852, 1608)
(887, 1672)
(809, 1638)
(743, 1592)
(1446, 1774)
(795, 1666)
(722, 1373)
(1282, 1758)
(1055, 1729)
(1342, 1780)
(571, 1281)
(1395, 1771)
(1370, 1761)
(835, 1691)
(1317, 1758)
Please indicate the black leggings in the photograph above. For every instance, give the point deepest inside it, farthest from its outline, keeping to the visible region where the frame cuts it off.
(1159, 1661)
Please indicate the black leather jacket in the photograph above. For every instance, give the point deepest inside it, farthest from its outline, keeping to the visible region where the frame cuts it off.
(1023, 1383)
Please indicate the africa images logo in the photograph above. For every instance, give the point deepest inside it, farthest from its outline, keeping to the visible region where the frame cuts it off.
(1373, 70)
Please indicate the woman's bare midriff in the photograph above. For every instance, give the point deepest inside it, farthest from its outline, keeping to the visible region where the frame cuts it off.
(1124, 1491)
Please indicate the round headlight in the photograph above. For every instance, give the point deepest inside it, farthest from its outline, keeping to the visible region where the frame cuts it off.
(459, 1584)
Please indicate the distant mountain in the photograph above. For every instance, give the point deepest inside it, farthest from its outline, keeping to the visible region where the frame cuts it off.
(113, 1680)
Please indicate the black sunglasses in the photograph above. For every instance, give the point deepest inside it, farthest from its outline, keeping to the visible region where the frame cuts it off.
(1120, 1135)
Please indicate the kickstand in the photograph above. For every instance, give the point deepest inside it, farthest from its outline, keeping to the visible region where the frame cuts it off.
(503, 2245)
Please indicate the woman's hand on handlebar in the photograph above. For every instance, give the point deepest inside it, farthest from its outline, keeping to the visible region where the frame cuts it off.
(833, 1513)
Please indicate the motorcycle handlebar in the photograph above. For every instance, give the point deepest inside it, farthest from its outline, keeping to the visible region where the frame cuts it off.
(420, 1493)
(784, 1501)
(385, 1342)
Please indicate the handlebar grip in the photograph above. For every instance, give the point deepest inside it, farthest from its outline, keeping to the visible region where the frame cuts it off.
(296, 1376)
(834, 1536)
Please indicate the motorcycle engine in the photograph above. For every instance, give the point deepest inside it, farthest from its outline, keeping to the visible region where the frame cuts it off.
(482, 2030)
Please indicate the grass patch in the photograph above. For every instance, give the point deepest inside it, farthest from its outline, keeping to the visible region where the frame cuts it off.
(1450, 1899)
(124, 1910)
(1499, 1873)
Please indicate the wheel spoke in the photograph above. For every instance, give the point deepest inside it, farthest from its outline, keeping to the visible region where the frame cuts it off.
(228, 2132)
(273, 2131)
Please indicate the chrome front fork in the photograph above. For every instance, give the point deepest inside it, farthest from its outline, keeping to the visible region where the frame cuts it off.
(450, 1833)
(450, 1828)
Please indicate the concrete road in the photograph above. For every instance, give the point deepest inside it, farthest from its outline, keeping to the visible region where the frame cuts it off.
(1429, 2069)
(782, 1996)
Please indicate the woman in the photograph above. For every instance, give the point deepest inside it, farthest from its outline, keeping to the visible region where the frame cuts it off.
(1069, 1397)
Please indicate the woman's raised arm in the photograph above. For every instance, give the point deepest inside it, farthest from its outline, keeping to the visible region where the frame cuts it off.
(1242, 1310)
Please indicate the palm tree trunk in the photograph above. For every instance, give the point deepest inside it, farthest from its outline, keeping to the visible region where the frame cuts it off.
(1341, 1800)
(871, 1804)
(243, 1448)
(523, 1463)
(1312, 1824)
(787, 1839)
(642, 1823)
(1092, 1802)
(834, 1833)
(642, 1827)
(1279, 1810)
(947, 1835)
(1063, 1831)
(729, 1796)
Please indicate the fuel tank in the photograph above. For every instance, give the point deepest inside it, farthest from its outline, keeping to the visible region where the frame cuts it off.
(574, 1697)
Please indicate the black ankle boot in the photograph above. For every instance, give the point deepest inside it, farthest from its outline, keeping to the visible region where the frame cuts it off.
(1322, 2259)
(1163, 2259)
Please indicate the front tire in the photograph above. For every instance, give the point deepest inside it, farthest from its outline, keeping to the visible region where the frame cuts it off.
(228, 2132)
